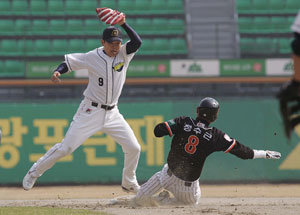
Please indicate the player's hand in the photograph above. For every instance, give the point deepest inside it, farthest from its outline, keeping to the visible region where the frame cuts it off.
(273, 155)
(122, 21)
(55, 77)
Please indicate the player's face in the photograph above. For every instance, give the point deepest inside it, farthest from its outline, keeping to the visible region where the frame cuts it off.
(111, 49)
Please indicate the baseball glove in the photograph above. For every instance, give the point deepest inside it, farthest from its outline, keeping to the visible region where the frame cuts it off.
(289, 100)
(109, 16)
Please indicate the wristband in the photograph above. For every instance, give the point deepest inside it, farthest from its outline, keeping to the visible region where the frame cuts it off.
(62, 68)
(259, 154)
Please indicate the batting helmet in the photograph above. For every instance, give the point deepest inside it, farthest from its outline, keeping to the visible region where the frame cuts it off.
(208, 109)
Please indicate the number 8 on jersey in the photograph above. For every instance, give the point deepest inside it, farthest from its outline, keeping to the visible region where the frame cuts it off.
(191, 146)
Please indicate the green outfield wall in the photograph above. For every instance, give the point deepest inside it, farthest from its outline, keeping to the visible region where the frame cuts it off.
(28, 130)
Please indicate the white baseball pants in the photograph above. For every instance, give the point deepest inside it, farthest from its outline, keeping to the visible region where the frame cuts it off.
(184, 194)
(87, 121)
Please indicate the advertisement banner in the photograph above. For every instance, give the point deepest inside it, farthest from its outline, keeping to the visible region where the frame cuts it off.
(247, 67)
(28, 134)
(280, 67)
(149, 68)
(180, 68)
(194, 68)
(43, 69)
(142, 68)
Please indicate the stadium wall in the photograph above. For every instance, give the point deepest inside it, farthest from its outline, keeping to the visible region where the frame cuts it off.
(171, 68)
(28, 130)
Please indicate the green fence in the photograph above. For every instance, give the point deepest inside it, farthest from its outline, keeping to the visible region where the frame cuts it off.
(28, 130)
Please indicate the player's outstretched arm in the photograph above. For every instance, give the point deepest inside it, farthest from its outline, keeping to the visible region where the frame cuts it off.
(266, 154)
(244, 152)
(61, 69)
(135, 41)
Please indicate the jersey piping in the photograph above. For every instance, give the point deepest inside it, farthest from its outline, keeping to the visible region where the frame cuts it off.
(169, 129)
(231, 146)
(112, 81)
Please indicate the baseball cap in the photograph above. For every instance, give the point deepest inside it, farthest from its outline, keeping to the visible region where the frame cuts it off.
(111, 34)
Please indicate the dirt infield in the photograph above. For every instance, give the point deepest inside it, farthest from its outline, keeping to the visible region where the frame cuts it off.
(254, 199)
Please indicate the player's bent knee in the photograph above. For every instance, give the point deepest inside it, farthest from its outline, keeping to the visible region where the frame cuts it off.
(64, 151)
(135, 148)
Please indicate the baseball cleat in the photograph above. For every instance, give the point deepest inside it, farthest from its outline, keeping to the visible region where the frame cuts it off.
(28, 181)
(131, 189)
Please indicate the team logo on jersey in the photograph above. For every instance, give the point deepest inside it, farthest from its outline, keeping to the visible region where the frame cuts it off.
(197, 130)
(187, 127)
(118, 67)
(88, 110)
(200, 124)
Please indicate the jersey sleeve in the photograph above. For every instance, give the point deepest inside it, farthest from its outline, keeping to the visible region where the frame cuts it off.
(169, 127)
(296, 25)
(230, 145)
(75, 61)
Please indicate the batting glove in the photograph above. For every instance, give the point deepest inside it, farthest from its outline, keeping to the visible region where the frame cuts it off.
(273, 155)
(266, 154)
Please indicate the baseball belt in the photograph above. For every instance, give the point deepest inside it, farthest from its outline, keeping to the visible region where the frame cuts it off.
(186, 183)
(105, 107)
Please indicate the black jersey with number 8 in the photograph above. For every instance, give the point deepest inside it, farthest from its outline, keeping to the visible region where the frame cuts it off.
(193, 142)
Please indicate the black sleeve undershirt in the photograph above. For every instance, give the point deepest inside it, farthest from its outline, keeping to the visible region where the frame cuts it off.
(242, 151)
(161, 130)
(135, 40)
(62, 68)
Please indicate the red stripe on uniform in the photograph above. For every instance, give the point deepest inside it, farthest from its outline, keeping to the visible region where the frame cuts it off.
(169, 129)
(232, 145)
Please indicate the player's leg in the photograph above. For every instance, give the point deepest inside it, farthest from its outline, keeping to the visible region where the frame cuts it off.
(296, 60)
(120, 131)
(83, 126)
(184, 192)
(296, 56)
(289, 93)
(145, 194)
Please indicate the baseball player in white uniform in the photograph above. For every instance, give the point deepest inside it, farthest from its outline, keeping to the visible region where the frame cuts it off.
(193, 141)
(98, 110)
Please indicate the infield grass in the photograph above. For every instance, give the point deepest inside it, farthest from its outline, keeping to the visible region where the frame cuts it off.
(46, 211)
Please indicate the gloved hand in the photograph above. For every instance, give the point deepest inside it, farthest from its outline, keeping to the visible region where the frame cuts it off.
(273, 155)
(109, 16)
(266, 154)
